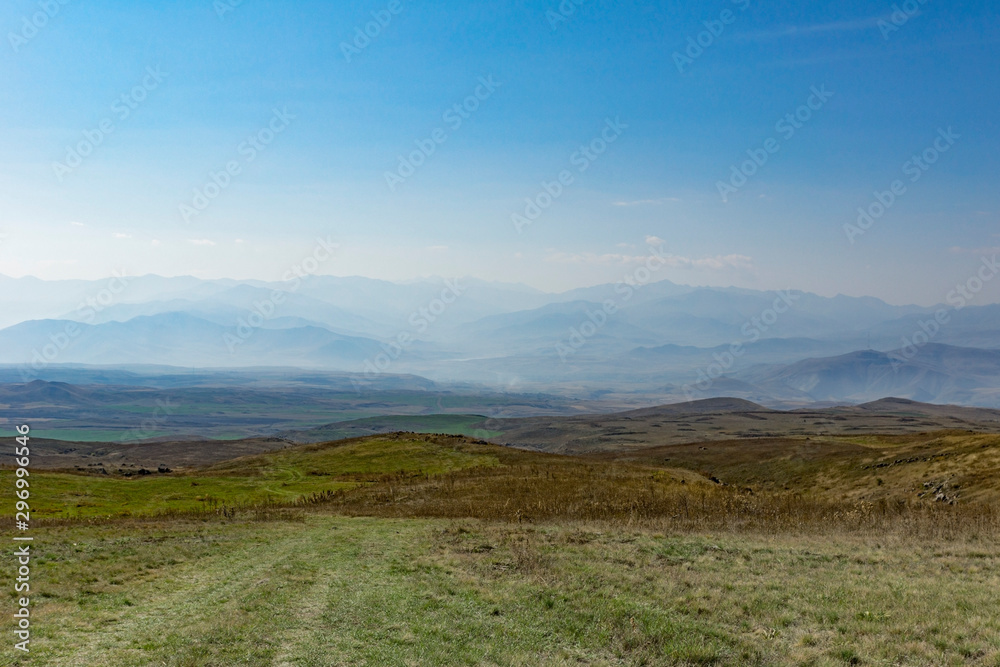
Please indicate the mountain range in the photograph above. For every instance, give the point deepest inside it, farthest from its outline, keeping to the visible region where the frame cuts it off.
(661, 340)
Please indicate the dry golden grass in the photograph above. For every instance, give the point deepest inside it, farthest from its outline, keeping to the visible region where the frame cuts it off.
(532, 487)
(455, 477)
(965, 465)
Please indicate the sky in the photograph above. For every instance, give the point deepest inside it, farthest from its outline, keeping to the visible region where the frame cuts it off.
(547, 143)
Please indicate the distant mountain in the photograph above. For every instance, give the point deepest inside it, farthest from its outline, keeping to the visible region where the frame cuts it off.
(39, 392)
(936, 373)
(709, 405)
(114, 378)
(765, 351)
(902, 406)
(660, 341)
(181, 340)
(977, 326)
(667, 314)
(230, 305)
(466, 299)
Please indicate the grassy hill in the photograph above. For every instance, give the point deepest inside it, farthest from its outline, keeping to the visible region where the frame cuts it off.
(437, 549)
(959, 465)
(730, 419)
(278, 477)
(945, 467)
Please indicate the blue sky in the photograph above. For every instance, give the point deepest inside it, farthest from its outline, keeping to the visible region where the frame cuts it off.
(560, 78)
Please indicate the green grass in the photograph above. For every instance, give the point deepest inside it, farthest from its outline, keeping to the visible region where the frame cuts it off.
(323, 590)
(62, 496)
(671, 570)
(282, 476)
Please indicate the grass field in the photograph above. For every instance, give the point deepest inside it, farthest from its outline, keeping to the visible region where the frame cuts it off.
(963, 464)
(316, 589)
(279, 477)
(436, 550)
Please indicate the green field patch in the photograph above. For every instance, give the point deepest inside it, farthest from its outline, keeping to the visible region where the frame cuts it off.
(281, 477)
(374, 455)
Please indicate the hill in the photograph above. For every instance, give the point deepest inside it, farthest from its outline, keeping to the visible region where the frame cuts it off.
(728, 419)
(940, 373)
(447, 424)
(447, 549)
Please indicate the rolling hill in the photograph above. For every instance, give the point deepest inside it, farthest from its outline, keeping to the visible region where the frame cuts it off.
(936, 373)
(727, 419)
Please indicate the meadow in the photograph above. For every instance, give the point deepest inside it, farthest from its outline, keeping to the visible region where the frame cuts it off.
(276, 478)
(411, 549)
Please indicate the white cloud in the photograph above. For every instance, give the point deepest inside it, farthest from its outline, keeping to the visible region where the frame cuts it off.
(155, 242)
(202, 242)
(119, 235)
(77, 224)
(655, 240)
